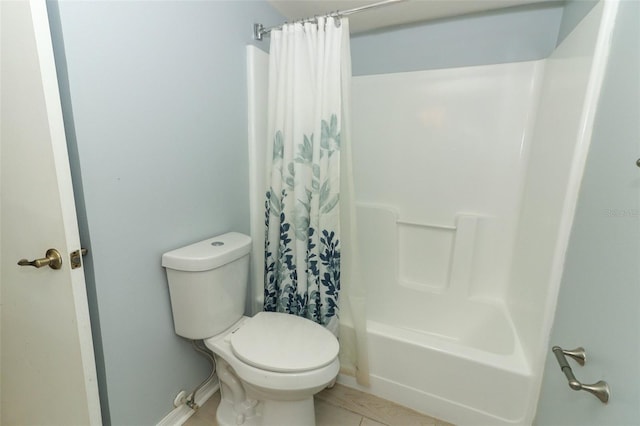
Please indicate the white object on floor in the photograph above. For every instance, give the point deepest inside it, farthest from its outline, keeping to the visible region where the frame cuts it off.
(269, 366)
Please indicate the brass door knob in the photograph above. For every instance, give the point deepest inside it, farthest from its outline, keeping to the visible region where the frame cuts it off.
(52, 259)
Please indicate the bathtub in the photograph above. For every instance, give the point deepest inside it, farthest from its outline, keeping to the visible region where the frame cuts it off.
(458, 372)
(438, 349)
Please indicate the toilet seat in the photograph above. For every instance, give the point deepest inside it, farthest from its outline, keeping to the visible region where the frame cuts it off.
(283, 343)
(253, 376)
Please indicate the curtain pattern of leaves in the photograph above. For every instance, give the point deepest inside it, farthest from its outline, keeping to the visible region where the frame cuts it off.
(302, 204)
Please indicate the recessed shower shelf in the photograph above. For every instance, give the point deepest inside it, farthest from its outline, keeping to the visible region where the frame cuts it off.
(426, 225)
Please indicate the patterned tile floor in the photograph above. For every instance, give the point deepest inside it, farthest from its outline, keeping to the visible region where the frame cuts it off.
(340, 406)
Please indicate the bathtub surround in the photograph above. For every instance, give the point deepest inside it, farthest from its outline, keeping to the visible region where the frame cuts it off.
(436, 234)
(442, 205)
(569, 95)
(155, 113)
(465, 241)
(601, 272)
(573, 12)
(257, 101)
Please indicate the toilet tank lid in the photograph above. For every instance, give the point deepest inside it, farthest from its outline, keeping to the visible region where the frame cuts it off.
(208, 254)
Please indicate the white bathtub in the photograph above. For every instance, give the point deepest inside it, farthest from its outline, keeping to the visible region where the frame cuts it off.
(437, 348)
(464, 366)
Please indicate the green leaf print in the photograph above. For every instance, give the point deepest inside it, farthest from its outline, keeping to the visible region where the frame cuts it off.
(278, 146)
(301, 227)
(325, 191)
(330, 138)
(276, 206)
(305, 151)
(326, 208)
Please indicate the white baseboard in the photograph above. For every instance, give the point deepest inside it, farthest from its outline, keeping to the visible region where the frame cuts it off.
(179, 415)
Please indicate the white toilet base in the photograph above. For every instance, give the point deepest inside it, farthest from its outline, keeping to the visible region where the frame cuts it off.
(226, 416)
(269, 413)
(257, 397)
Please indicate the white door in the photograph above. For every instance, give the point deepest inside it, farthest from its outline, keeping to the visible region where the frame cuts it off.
(599, 304)
(47, 362)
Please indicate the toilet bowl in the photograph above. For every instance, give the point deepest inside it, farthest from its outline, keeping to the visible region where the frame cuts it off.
(281, 362)
(270, 365)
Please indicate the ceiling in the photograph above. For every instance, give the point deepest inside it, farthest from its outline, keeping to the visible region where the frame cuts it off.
(400, 13)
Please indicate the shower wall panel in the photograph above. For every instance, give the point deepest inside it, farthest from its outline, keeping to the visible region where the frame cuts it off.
(446, 152)
(257, 92)
(570, 90)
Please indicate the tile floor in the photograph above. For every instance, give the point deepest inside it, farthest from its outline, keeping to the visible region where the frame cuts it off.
(340, 406)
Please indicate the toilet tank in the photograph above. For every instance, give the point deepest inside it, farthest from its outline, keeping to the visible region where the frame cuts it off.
(208, 284)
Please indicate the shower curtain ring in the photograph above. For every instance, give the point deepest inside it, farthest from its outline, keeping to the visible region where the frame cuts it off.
(336, 18)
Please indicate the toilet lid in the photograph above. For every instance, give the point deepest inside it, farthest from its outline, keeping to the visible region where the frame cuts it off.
(284, 343)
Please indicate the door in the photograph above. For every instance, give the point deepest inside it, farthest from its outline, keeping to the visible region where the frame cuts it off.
(47, 363)
(599, 302)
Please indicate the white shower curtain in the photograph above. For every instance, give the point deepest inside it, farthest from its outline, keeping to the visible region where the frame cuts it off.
(310, 245)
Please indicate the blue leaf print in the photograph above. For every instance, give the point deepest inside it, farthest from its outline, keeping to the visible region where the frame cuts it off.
(302, 260)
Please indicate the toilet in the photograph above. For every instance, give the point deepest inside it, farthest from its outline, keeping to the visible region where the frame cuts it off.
(270, 365)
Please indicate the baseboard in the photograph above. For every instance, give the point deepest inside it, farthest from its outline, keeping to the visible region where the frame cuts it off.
(179, 415)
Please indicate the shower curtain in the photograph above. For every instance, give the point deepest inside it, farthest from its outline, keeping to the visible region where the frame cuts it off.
(309, 256)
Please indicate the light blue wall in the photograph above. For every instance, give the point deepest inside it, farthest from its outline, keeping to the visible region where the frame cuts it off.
(154, 98)
(510, 35)
(600, 290)
(573, 13)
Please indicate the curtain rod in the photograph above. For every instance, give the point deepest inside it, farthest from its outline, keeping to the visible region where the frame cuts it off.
(260, 31)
